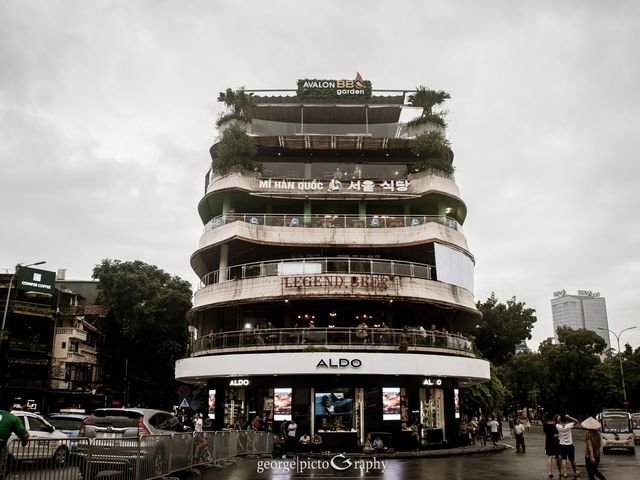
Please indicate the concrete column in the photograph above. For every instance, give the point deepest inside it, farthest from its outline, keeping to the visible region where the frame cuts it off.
(362, 209)
(224, 262)
(307, 211)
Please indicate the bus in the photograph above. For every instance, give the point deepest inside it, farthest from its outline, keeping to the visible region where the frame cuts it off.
(635, 421)
(617, 431)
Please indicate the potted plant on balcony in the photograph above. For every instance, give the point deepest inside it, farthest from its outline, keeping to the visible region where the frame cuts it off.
(235, 152)
(240, 105)
(426, 99)
(433, 150)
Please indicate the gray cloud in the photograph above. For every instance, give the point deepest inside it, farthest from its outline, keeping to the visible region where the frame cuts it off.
(107, 111)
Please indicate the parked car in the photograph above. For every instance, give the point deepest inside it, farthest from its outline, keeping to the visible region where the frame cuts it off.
(68, 423)
(45, 442)
(153, 442)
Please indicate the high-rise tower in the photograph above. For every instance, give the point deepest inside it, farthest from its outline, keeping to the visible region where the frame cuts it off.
(584, 310)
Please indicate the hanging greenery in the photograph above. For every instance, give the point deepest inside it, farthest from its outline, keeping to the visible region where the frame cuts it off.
(235, 152)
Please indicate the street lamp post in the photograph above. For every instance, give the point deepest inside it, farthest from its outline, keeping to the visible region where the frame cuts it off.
(617, 335)
(6, 303)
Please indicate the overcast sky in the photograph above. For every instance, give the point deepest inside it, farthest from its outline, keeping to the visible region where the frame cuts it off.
(108, 109)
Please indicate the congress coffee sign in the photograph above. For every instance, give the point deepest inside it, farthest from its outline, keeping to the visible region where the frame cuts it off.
(356, 88)
(33, 280)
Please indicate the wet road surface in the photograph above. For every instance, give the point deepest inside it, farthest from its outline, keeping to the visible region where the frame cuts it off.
(506, 464)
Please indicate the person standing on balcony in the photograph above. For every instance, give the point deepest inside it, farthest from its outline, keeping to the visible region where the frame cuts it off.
(361, 332)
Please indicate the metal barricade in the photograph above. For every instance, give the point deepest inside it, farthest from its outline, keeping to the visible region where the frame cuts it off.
(131, 458)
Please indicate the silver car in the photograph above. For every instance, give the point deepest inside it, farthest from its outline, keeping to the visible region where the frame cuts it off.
(136, 441)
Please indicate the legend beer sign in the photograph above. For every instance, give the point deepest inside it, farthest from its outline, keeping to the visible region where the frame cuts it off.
(367, 282)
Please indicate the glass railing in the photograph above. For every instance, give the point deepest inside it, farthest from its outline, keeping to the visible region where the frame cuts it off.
(320, 220)
(377, 339)
(319, 266)
(375, 130)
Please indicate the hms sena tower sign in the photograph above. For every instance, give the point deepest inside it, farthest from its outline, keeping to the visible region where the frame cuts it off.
(314, 88)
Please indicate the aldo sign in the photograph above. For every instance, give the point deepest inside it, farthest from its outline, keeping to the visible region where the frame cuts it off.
(339, 363)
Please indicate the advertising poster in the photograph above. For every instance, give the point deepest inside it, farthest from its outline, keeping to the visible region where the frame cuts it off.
(391, 403)
(212, 404)
(456, 402)
(282, 404)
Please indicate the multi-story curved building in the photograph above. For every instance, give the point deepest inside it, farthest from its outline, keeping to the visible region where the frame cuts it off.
(336, 283)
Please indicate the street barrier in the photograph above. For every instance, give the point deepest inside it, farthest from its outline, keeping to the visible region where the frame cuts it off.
(130, 458)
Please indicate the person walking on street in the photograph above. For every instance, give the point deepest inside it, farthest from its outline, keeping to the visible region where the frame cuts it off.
(482, 431)
(551, 444)
(592, 452)
(494, 427)
(567, 450)
(518, 432)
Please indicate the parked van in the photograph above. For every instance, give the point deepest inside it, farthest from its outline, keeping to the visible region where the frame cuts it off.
(617, 431)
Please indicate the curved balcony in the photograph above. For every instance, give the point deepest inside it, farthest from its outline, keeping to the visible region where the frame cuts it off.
(332, 221)
(296, 185)
(331, 278)
(333, 339)
(319, 266)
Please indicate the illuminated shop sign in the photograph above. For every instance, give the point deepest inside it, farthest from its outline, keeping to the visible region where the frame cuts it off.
(31, 279)
(378, 282)
(432, 382)
(339, 363)
(334, 185)
(239, 382)
(314, 87)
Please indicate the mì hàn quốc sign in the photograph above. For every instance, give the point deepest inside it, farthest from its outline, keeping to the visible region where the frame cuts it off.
(322, 88)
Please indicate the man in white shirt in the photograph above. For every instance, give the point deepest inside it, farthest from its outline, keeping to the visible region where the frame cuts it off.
(565, 438)
(495, 430)
(291, 436)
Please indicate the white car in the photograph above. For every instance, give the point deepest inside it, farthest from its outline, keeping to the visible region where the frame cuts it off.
(45, 442)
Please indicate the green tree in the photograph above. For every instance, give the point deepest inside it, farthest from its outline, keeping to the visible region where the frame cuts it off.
(239, 104)
(502, 328)
(569, 371)
(427, 99)
(487, 398)
(149, 306)
(522, 375)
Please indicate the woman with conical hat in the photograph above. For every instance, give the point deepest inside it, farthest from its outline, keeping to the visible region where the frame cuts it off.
(592, 452)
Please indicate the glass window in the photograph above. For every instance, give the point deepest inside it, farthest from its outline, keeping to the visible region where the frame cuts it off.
(37, 425)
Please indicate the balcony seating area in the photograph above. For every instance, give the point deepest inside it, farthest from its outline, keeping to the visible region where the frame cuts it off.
(334, 338)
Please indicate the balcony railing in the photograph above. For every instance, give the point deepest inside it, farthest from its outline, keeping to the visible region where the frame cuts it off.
(318, 266)
(72, 333)
(373, 339)
(332, 220)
